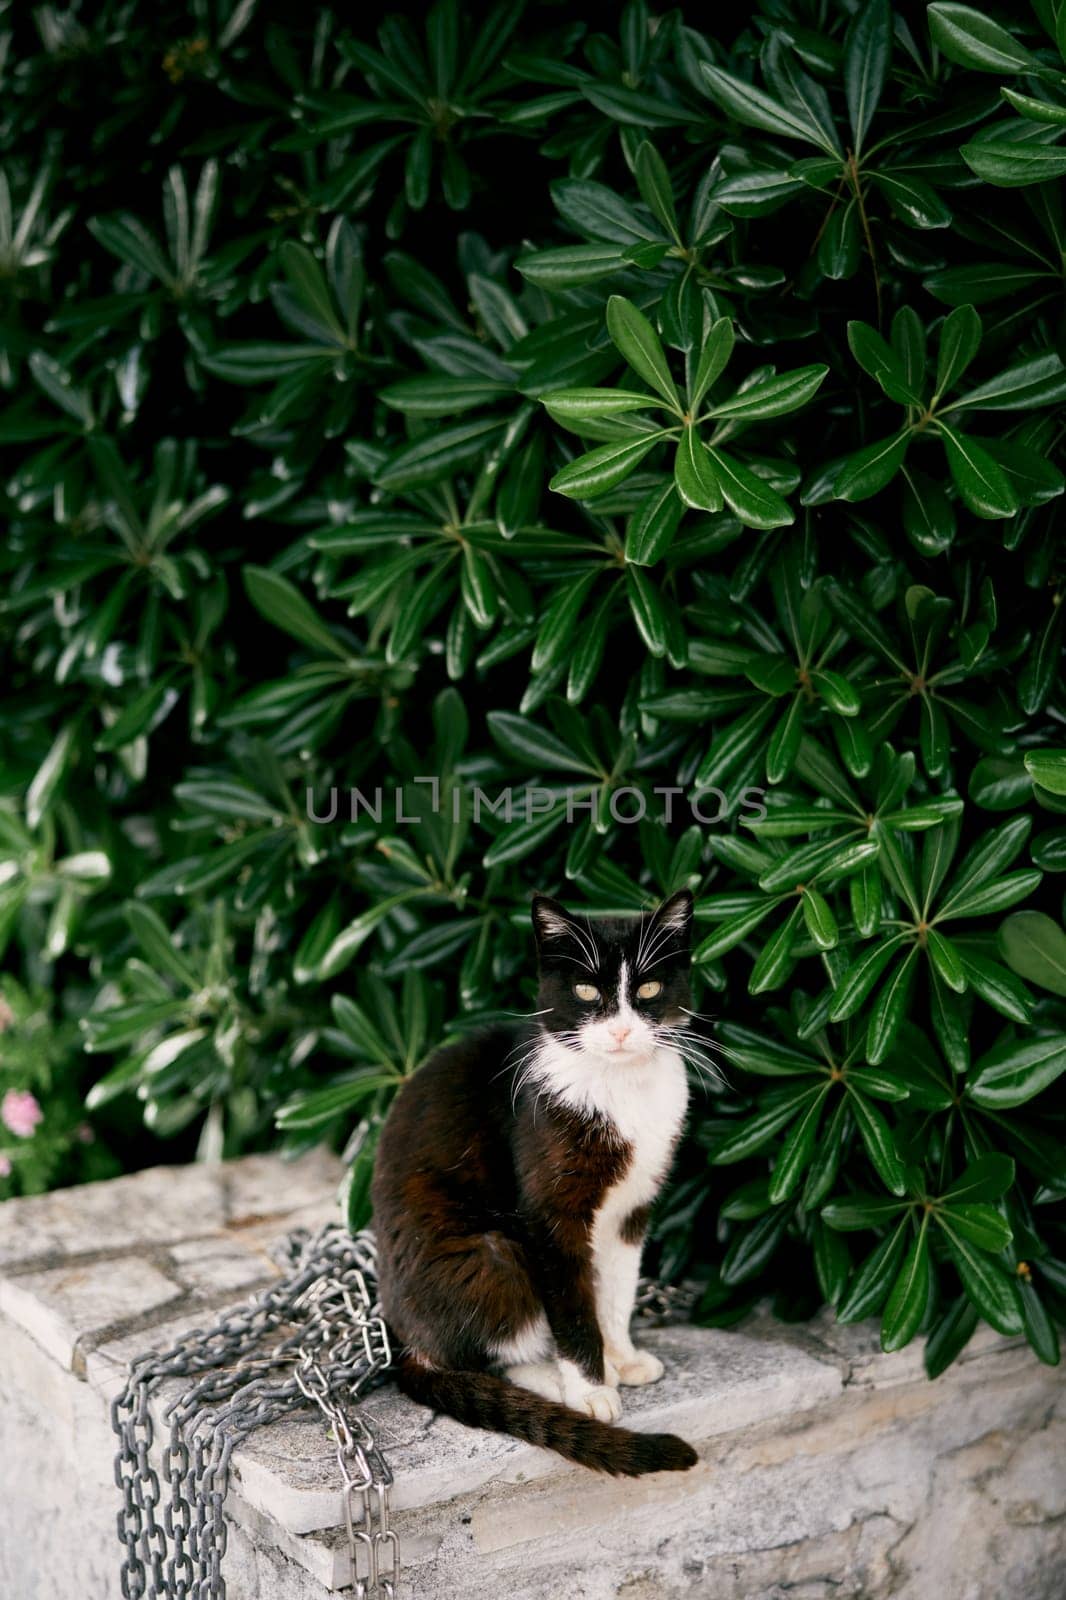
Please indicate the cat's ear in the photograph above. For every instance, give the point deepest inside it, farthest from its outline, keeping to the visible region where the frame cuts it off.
(550, 919)
(675, 915)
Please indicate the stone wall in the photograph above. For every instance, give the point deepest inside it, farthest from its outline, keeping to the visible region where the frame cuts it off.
(827, 1469)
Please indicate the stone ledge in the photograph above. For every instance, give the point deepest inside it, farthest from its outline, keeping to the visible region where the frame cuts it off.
(809, 1437)
(161, 1206)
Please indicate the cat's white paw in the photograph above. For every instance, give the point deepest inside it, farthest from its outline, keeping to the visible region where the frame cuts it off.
(542, 1377)
(610, 1371)
(600, 1402)
(635, 1367)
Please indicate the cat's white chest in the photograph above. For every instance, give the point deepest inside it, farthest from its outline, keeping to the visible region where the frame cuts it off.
(644, 1106)
(648, 1118)
(647, 1110)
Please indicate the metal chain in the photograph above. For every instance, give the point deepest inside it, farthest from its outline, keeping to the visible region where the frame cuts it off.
(660, 1303)
(316, 1337)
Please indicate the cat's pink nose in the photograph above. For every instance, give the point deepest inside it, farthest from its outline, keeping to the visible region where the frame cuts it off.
(620, 1032)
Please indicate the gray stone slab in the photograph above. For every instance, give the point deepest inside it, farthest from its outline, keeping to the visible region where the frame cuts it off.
(827, 1471)
(165, 1206)
(260, 1188)
(858, 1348)
(158, 1206)
(66, 1307)
(716, 1382)
(232, 1265)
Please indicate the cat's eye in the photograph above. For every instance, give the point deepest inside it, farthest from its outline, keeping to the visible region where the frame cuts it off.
(649, 991)
(586, 991)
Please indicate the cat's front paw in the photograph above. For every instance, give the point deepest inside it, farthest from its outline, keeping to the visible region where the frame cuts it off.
(634, 1368)
(600, 1402)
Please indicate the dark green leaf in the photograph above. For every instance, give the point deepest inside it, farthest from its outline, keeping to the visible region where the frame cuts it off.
(867, 51)
(880, 1145)
(981, 481)
(986, 1283)
(1013, 166)
(695, 479)
(283, 604)
(758, 1130)
(640, 345)
(1011, 1074)
(960, 340)
(656, 191)
(861, 977)
(872, 1284)
(908, 1297)
(533, 747)
(796, 1151)
(1048, 769)
(975, 40)
(979, 1223)
(755, 503)
(603, 469)
(772, 397)
(1035, 948)
(866, 472)
(756, 109)
(987, 1177)
(950, 1336)
(714, 357)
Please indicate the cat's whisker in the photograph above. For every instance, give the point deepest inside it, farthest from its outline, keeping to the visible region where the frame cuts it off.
(694, 1053)
(706, 1069)
(652, 958)
(724, 1050)
(661, 936)
(706, 1074)
(561, 955)
(519, 1086)
(707, 1041)
(522, 1044)
(532, 1051)
(705, 1078)
(648, 963)
(588, 944)
(686, 1035)
(694, 1050)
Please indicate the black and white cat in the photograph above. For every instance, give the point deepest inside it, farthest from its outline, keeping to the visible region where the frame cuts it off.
(514, 1180)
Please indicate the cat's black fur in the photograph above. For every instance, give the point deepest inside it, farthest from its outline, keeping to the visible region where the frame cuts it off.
(484, 1193)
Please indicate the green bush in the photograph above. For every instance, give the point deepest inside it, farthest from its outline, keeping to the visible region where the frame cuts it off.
(606, 410)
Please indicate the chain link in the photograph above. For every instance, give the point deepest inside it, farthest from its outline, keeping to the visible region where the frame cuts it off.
(315, 1338)
(660, 1303)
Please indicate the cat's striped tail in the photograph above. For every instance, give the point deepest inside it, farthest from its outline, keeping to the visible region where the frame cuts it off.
(482, 1400)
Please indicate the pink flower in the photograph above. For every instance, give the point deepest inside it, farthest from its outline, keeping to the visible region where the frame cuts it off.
(20, 1112)
(5, 1167)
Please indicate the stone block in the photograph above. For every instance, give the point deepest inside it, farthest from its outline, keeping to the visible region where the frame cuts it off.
(76, 1304)
(827, 1470)
(158, 1206)
(261, 1188)
(230, 1266)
